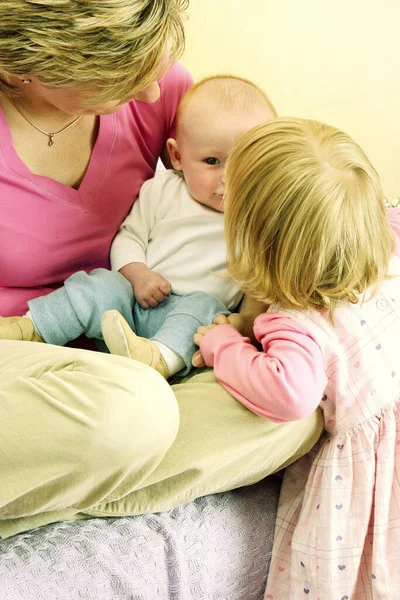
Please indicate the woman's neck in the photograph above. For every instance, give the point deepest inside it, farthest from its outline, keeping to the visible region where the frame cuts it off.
(53, 106)
(38, 111)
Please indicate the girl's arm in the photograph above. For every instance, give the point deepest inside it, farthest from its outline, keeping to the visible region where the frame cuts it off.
(284, 382)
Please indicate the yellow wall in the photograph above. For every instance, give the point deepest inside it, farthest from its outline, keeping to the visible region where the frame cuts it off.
(337, 61)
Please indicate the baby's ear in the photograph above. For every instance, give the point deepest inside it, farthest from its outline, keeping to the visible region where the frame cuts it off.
(174, 154)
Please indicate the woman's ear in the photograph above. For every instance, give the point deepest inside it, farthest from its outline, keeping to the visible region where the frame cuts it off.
(174, 154)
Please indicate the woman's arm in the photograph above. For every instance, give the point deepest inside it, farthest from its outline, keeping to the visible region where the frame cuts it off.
(243, 321)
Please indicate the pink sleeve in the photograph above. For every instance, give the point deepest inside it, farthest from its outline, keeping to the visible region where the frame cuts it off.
(284, 382)
(172, 87)
(394, 220)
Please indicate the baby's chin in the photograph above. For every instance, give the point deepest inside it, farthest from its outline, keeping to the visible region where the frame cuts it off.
(215, 203)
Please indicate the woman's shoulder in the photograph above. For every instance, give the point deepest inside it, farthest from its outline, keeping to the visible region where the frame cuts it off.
(175, 81)
(173, 86)
(144, 115)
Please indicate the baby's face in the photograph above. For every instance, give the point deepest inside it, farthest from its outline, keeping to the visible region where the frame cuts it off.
(205, 140)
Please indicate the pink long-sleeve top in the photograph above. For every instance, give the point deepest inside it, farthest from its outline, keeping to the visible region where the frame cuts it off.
(286, 380)
(49, 230)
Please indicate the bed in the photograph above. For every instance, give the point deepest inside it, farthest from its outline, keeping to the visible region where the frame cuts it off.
(214, 548)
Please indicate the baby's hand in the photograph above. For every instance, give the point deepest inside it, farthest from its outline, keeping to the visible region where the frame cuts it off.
(149, 288)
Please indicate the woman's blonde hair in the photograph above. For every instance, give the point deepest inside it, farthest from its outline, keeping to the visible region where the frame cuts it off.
(304, 216)
(112, 48)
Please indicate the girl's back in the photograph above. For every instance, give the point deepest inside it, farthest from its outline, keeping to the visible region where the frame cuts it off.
(343, 543)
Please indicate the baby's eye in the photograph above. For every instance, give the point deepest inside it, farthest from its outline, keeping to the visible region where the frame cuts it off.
(211, 160)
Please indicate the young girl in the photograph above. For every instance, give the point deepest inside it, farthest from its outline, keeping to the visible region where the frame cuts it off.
(308, 235)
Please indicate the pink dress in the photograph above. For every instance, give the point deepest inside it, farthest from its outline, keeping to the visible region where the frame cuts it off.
(338, 526)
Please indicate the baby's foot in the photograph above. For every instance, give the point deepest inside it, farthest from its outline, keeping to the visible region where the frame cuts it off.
(121, 340)
(18, 328)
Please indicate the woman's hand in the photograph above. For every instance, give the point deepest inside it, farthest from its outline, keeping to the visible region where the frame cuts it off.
(149, 288)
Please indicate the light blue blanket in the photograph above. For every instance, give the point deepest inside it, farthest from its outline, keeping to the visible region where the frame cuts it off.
(215, 548)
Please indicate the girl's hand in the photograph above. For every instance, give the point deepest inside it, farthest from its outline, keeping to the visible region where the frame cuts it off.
(201, 332)
(197, 358)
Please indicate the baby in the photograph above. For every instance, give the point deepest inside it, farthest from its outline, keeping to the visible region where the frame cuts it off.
(169, 248)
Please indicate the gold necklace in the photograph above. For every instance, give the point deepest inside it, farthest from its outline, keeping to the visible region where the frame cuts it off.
(50, 135)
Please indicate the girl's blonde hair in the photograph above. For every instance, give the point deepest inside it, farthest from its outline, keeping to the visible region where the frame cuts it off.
(304, 216)
(112, 48)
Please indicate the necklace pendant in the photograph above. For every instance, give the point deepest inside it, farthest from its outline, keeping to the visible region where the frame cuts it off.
(48, 133)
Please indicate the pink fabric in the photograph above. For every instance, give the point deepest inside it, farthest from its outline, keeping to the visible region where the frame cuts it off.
(394, 219)
(338, 524)
(49, 230)
(267, 382)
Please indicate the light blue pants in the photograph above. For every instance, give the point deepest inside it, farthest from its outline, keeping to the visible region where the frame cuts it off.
(78, 306)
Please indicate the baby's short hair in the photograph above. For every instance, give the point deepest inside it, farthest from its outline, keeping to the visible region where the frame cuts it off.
(229, 92)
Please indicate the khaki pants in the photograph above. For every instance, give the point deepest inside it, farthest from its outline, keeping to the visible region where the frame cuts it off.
(89, 434)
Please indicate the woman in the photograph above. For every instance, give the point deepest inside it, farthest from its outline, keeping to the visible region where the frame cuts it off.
(87, 100)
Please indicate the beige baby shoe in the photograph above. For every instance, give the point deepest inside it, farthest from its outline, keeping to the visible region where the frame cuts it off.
(121, 340)
(18, 328)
